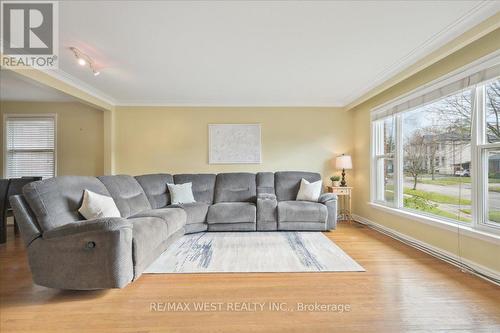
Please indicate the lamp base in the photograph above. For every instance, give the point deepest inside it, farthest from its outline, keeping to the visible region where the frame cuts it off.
(343, 183)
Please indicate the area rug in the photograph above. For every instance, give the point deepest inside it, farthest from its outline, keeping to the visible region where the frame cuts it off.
(254, 252)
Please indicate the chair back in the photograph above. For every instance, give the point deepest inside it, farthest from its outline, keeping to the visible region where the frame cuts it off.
(4, 187)
(15, 187)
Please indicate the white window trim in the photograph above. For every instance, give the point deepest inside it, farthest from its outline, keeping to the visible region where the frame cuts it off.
(27, 115)
(479, 224)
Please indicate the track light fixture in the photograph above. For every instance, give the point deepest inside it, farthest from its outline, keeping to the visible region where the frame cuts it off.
(84, 59)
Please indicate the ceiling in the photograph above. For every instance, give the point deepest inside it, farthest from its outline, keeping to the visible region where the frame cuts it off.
(15, 87)
(253, 53)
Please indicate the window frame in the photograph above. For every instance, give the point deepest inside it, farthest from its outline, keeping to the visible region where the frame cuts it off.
(483, 147)
(6, 116)
(478, 143)
(377, 146)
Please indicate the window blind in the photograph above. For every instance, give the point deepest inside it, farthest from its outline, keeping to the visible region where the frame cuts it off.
(30, 146)
(439, 91)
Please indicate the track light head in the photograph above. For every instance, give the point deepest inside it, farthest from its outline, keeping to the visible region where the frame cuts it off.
(82, 59)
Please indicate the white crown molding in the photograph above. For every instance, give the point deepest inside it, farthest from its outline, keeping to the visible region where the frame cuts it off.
(137, 103)
(62, 76)
(434, 251)
(479, 13)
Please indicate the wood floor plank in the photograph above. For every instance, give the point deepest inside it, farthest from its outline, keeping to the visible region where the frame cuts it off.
(402, 290)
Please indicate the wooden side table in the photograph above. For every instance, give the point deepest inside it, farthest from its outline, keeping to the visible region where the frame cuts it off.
(344, 194)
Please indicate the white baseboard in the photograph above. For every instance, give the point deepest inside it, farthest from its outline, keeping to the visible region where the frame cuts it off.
(451, 258)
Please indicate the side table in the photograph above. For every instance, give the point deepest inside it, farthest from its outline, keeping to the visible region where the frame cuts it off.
(344, 194)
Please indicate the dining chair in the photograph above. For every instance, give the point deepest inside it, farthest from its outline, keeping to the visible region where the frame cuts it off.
(4, 187)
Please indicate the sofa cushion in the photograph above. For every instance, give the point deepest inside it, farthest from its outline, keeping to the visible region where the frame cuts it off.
(155, 188)
(196, 212)
(148, 234)
(55, 201)
(175, 218)
(301, 211)
(265, 182)
(127, 193)
(231, 212)
(235, 187)
(287, 183)
(203, 185)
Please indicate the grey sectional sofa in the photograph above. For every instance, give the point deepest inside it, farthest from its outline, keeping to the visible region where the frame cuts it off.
(67, 252)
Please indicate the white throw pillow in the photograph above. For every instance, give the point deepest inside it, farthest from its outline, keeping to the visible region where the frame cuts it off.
(96, 206)
(309, 191)
(181, 193)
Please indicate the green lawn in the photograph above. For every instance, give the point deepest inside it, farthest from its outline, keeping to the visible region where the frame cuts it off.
(424, 205)
(444, 181)
(494, 189)
(389, 196)
(493, 215)
(431, 196)
(449, 215)
(437, 197)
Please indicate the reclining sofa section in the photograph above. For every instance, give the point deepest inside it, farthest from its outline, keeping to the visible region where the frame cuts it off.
(66, 251)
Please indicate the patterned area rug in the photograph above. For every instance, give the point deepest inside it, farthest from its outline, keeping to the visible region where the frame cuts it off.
(254, 252)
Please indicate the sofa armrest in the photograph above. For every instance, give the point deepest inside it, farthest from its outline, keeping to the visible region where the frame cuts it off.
(325, 197)
(95, 225)
(26, 220)
(93, 254)
(266, 196)
(267, 211)
(330, 201)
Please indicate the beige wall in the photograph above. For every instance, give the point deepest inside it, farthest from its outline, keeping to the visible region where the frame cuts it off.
(481, 252)
(175, 140)
(80, 139)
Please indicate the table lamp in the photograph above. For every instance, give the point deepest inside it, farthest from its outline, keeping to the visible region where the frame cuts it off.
(343, 162)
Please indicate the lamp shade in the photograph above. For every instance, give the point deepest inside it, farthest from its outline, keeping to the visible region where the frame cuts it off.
(343, 162)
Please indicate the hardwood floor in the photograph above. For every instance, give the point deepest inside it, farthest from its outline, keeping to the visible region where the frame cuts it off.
(402, 290)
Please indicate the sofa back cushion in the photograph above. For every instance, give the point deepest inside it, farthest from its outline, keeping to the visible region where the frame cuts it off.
(55, 201)
(127, 193)
(235, 187)
(155, 188)
(203, 186)
(287, 183)
(265, 182)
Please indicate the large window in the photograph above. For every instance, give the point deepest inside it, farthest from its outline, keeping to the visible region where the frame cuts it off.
(29, 146)
(437, 154)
